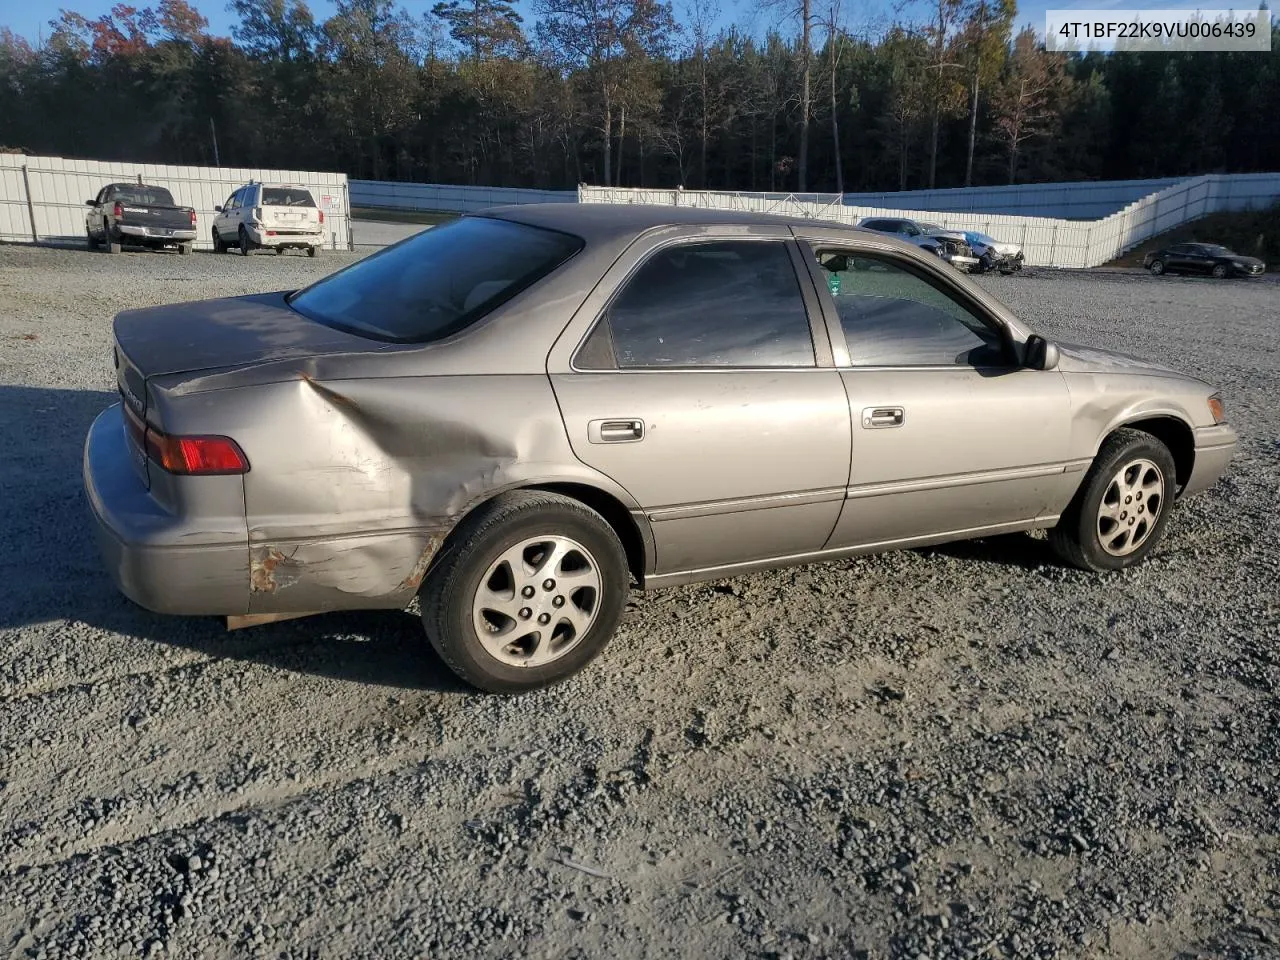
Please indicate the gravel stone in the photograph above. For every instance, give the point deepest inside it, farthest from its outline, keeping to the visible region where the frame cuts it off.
(954, 752)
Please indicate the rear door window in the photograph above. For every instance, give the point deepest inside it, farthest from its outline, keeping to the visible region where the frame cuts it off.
(437, 282)
(716, 304)
(287, 197)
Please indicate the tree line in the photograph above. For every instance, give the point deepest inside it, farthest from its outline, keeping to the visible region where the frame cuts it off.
(626, 92)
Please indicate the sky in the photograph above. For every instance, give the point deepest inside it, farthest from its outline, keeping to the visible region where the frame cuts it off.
(30, 18)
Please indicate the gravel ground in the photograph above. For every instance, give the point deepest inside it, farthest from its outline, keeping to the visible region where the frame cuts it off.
(964, 751)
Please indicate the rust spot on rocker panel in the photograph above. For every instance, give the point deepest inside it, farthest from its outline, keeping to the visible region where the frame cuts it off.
(429, 551)
(270, 570)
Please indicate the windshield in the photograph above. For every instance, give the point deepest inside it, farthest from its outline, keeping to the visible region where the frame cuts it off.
(436, 282)
(981, 238)
(286, 197)
(147, 196)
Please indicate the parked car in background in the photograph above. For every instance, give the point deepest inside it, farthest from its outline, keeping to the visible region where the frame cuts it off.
(992, 254)
(513, 415)
(1208, 258)
(275, 217)
(950, 245)
(138, 215)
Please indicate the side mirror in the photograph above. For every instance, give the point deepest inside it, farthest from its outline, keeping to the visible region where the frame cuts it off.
(1041, 354)
(217, 209)
(90, 203)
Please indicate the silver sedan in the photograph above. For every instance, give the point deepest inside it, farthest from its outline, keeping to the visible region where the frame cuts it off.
(515, 416)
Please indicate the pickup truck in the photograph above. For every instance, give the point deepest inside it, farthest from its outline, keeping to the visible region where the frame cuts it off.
(138, 215)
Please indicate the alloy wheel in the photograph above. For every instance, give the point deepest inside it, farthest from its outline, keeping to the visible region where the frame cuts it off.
(537, 601)
(1130, 507)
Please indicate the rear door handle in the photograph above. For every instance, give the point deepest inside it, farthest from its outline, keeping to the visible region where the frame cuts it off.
(615, 431)
(875, 418)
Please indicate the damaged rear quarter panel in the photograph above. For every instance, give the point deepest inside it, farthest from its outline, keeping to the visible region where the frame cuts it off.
(354, 484)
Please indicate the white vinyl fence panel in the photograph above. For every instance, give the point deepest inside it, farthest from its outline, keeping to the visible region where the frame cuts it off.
(42, 199)
(1046, 241)
(437, 197)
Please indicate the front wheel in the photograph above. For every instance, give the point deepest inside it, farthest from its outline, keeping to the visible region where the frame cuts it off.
(1120, 512)
(1157, 267)
(528, 594)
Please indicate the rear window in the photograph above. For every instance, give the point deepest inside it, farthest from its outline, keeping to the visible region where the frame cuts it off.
(144, 196)
(286, 197)
(436, 282)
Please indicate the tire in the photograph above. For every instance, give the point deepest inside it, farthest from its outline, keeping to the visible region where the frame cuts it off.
(113, 245)
(1157, 267)
(90, 244)
(313, 251)
(452, 597)
(246, 245)
(218, 245)
(279, 251)
(1220, 271)
(184, 249)
(1085, 538)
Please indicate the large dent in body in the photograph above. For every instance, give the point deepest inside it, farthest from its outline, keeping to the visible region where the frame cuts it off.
(352, 508)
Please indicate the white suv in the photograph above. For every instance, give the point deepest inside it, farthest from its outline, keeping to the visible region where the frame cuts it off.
(275, 216)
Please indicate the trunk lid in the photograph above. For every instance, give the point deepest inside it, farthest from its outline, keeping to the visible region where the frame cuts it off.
(232, 333)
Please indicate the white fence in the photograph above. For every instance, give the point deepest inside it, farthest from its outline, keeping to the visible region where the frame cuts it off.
(1046, 241)
(440, 197)
(42, 199)
(1083, 200)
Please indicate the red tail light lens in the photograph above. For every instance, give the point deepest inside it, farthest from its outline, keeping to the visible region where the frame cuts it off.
(321, 217)
(193, 218)
(118, 209)
(196, 456)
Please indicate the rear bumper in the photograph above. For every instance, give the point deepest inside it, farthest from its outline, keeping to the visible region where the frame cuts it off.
(263, 237)
(157, 559)
(156, 233)
(1214, 449)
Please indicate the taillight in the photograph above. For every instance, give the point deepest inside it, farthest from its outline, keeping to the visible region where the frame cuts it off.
(118, 209)
(193, 218)
(195, 456)
(321, 217)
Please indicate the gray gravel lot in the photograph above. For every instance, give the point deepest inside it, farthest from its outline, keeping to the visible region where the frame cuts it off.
(964, 751)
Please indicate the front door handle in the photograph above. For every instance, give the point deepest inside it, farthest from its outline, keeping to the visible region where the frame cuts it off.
(615, 431)
(875, 418)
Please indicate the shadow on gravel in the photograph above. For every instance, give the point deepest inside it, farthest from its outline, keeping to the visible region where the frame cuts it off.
(50, 569)
(1010, 550)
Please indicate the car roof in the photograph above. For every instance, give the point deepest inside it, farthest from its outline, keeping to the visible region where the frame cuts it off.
(597, 222)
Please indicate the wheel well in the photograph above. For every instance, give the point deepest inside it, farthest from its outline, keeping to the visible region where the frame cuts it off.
(617, 515)
(1177, 436)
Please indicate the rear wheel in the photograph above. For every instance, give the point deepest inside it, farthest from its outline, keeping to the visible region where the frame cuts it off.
(1220, 271)
(89, 242)
(312, 251)
(1157, 267)
(1120, 512)
(184, 249)
(279, 251)
(246, 245)
(530, 591)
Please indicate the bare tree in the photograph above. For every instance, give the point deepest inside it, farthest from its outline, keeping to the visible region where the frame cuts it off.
(1029, 103)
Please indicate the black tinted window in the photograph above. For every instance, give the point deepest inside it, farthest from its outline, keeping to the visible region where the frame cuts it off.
(286, 197)
(437, 282)
(723, 304)
(891, 317)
